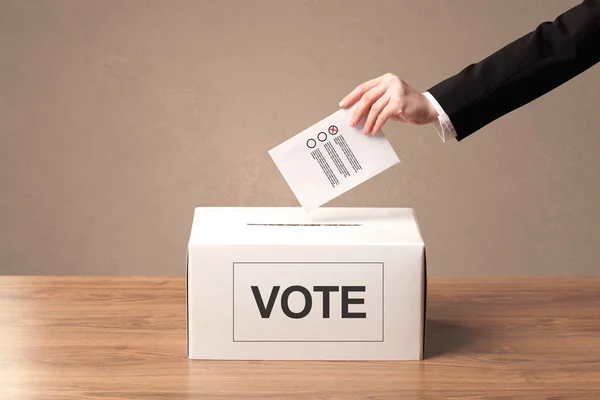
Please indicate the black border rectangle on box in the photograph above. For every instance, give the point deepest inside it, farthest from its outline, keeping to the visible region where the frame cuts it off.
(310, 341)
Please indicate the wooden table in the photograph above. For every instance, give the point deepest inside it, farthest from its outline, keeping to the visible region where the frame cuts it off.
(124, 338)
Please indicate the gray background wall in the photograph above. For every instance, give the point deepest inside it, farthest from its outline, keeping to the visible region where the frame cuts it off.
(117, 118)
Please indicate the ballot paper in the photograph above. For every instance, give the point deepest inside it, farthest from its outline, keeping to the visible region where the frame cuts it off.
(330, 158)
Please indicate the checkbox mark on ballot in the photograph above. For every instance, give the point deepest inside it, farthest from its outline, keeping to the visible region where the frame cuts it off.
(330, 158)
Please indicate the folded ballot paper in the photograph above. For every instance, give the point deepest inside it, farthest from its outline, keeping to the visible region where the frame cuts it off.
(330, 158)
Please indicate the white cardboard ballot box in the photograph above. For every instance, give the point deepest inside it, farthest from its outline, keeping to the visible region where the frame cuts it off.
(282, 284)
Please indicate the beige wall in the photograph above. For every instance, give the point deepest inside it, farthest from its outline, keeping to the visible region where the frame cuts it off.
(117, 118)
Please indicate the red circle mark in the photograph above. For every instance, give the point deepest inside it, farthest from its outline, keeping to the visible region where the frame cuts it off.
(333, 129)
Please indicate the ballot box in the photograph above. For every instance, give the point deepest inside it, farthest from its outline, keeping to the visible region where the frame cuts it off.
(278, 283)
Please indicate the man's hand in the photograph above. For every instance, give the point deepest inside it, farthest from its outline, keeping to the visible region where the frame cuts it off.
(388, 97)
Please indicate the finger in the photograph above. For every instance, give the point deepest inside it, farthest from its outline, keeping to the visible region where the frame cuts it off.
(374, 112)
(357, 93)
(365, 103)
(382, 118)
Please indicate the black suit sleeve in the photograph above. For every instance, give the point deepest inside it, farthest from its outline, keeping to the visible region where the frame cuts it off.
(523, 70)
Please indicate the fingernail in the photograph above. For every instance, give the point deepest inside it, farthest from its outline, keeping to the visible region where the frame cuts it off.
(342, 103)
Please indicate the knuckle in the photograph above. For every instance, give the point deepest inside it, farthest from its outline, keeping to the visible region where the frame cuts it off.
(379, 107)
(393, 80)
(368, 97)
(397, 85)
(360, 107)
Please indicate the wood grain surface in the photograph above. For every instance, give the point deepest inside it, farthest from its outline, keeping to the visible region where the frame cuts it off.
(124, 338)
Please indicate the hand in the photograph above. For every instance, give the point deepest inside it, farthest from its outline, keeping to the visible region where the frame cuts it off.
(388, 97)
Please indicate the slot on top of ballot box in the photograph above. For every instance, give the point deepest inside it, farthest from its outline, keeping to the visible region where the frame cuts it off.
(250, 224)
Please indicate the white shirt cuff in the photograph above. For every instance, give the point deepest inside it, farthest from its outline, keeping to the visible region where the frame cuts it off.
(443, 125)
